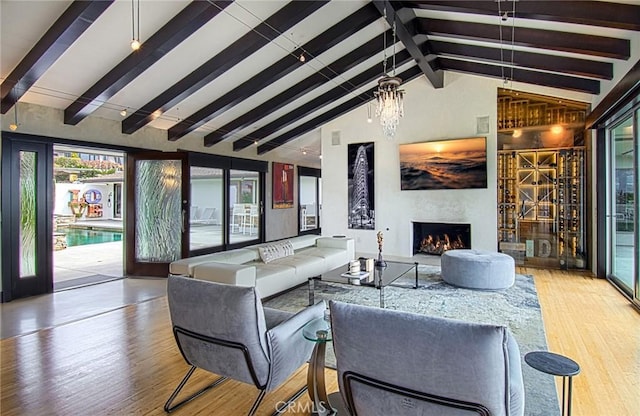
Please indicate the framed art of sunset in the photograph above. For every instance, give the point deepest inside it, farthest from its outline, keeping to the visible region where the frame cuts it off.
(444, 164)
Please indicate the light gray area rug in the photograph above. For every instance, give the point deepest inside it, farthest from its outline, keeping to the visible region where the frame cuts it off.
(517, 308)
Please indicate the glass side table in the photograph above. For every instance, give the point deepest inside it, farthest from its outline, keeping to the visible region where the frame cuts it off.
(557, 365)
(318, 331)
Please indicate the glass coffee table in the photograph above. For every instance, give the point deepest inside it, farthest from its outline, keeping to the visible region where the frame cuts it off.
(379, 278)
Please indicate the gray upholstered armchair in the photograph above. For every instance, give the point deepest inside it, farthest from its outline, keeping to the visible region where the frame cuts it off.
(225, 330)
(398, 363)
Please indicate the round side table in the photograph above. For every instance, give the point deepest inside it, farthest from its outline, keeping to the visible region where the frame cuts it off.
(318, 331)
(557, 365)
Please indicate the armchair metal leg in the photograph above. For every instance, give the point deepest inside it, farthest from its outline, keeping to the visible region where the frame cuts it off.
(167, 406)
(285, 406)
(254, 408)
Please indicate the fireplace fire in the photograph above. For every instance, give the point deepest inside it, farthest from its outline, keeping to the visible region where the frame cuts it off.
(436, 238)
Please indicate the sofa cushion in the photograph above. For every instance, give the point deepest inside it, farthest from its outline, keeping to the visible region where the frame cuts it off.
(185, 266)
(231, 274)
(305, 266)
(272, 278)
(238, 256)
(333, 257)
(271, 252)
(303, 241)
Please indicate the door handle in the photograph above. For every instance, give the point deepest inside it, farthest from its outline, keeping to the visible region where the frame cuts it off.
(184, 213)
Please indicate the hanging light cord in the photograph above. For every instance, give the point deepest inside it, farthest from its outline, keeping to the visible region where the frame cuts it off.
(135, 35)
(384, 45)
(513, 37)
(394, 47)
(501, 44)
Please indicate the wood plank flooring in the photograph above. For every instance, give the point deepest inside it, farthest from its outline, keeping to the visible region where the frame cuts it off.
(126, 362)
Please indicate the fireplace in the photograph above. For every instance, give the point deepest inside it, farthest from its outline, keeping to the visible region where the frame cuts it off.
(438, 237)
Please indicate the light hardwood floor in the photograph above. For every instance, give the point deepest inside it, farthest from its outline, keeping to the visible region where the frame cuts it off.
(126, 362)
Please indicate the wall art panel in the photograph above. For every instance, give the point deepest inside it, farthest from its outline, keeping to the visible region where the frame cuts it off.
(361, 187)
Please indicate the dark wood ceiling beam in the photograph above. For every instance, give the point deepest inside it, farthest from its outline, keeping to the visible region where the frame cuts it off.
(405, 31)
(252, 41)
(594, 13)
(321, 43)
(343, 64)
(61, 35)
(335, 112)
(535, 38)
(183, 25)
(572, 66)
(586, 85)
(327, 98)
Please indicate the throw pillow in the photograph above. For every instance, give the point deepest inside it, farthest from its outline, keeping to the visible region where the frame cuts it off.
(270, 252)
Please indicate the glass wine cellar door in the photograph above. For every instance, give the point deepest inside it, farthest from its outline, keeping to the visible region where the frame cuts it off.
(542, 160)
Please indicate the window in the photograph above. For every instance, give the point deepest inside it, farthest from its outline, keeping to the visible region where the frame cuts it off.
(309, 200)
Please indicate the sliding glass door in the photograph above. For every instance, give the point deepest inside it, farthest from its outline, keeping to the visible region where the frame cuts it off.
(622, 207)
(309, 203)
(206, 214)
(245, 206)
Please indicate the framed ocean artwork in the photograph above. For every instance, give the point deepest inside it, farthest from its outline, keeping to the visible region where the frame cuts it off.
(444, 164)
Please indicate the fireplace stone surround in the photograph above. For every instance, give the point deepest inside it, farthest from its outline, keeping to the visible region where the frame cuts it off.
(437, 237)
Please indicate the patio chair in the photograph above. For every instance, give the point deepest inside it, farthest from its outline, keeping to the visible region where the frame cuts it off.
(398, 363)
(225, 330)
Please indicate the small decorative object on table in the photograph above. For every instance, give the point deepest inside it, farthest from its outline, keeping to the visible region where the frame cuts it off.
(355, 275)
(354, 267)
(366, 264)
(380, 262)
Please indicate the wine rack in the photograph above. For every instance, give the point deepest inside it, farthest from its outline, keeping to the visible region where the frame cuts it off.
(541, 206)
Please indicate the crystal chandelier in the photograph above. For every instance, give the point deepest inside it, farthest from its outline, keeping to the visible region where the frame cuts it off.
(389, 105)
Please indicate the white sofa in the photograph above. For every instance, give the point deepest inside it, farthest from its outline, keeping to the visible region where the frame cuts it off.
(311, 255)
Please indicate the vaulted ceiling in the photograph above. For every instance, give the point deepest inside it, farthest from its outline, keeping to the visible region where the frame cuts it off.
(261, 74)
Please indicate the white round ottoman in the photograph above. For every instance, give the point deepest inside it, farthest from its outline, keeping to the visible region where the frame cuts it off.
(478, 269)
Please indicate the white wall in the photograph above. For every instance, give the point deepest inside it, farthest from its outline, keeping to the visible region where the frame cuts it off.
(430, 114)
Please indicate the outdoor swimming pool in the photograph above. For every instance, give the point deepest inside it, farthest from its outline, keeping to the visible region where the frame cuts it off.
(80, 237)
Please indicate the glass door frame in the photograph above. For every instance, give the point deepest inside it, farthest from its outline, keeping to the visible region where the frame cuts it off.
(14, 287)
(160, 269)
(227, 164)
(317, 174)
(606, 218)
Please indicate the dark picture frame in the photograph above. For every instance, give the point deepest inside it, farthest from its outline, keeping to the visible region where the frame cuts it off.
(444, 164)
(282, 185)
(360, 179)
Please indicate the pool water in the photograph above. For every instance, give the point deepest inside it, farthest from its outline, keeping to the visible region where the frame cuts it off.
(80, 237)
